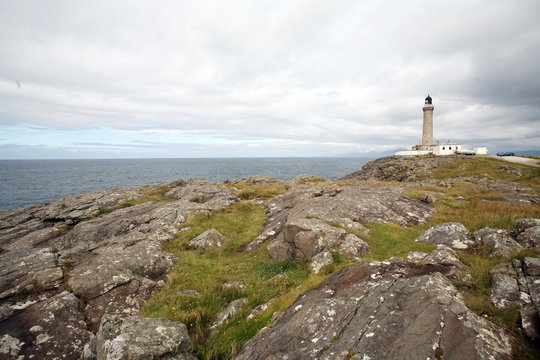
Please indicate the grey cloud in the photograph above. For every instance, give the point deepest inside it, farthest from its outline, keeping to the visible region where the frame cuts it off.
(321, 71)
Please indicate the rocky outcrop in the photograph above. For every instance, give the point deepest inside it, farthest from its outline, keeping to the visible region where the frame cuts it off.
(517, 284)
(398, 168)
(210, 238)
(442, 255)
(381, 311)
(299, 221)
(110, 261)
(133, 338)
(228, 312)
(204, 192)
(451, 234)
(500, 241)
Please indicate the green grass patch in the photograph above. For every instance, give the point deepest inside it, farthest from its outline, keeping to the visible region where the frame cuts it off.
(260, 191)
(207, 270)
(387, 240)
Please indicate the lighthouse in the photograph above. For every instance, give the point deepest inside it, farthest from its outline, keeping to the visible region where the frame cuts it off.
(427, 129)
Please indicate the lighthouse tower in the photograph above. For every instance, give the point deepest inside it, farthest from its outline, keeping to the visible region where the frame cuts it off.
(427, 129)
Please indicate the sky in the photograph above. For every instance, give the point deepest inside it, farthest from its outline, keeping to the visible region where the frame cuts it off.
(249, 78)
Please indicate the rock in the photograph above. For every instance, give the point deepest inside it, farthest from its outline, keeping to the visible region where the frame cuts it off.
(349, 207)
(524, 224)
(203, 192)
(237, 285)
(169, 184)
(511, 170)
(530, 237)
(416, 256)
(29, 270)
(36, 329)
(255, 180)
(398, 168)
(532, 266)
(10, 347)
(530, 322)
(499, 241)
(429, 199)
(299, 221)
(260, 309)
(228, 312)
(505, 287)
(304, 238)
(522, 199)
(451, 234)
(208, 239)
(319, 261)
(304, 178)
(444, 255)
(380, 311)
(134, 338)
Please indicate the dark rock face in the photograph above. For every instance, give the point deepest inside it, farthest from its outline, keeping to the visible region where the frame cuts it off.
(111, 263)
(51, 324)
(380, 311)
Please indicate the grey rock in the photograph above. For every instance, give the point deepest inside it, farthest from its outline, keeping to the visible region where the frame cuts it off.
(134, 338)
(208, 239)
(237, 285)
(505, 287)
(304, 238)
(28, 270)
(255, 180)
(451, 234)
(398, 168)
(524, 224)
(532, 266)
(306, 178)
(530, 237)
(228, 312)
(522, 198)
(429, 199)
(416, 256)
(203, 192)
(380, 311)
(444, 255)
(258, 310)
(319, 261)
(500, 241)
(349, 207)
(511, 170)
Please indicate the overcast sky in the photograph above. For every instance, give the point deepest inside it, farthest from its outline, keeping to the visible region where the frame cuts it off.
(231, 78)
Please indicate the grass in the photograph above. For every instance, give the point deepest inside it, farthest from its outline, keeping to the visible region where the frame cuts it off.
(207, 270)
(155, 195)
(260, 191)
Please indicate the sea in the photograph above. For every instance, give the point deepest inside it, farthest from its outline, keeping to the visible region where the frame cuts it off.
(26, 182)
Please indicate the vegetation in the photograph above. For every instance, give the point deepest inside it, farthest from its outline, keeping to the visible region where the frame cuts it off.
(207, 271)
(260, 191)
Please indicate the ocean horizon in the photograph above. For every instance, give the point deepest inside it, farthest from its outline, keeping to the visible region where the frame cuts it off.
(27, 182)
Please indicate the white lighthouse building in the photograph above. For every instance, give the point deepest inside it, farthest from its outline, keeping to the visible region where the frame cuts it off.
(428, 147)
